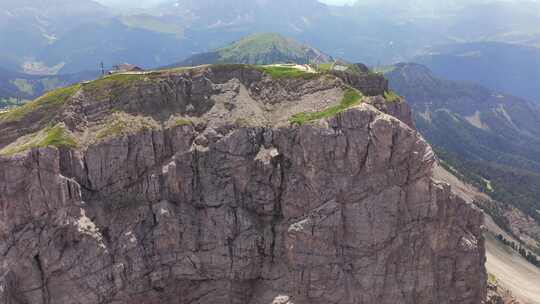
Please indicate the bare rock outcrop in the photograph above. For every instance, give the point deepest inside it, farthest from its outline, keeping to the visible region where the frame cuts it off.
(341, 210)
(499, 295)
(371, 84)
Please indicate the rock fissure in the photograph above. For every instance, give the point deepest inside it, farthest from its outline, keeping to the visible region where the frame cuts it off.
(43, 278)
(277, 215)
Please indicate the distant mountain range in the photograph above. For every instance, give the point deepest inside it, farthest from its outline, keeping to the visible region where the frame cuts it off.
(265, 48)
(16, 88)
(151, 38)
(28, 28)
(69, 36)
(502, 67)
(492, 137)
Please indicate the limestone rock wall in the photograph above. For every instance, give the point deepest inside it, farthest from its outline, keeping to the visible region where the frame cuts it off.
(371, 84)
(341, 211)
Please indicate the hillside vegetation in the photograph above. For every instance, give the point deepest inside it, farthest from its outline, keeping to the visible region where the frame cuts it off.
(260, 49)
(18, 88)
(490, 137)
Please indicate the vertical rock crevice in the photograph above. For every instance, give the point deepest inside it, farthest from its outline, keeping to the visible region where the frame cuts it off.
(44, 288)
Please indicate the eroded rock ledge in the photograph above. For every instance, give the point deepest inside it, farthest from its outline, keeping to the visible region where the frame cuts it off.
(342, 210)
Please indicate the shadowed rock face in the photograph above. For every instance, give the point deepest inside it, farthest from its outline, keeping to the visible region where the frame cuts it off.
(343, 210)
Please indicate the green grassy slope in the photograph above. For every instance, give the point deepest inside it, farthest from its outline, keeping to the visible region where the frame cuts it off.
(262, 48)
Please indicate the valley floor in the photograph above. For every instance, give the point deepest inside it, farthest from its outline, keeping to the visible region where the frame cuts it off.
(512, 271)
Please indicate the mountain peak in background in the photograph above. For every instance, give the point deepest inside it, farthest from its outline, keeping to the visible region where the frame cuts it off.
(503, 67)
(261, 48)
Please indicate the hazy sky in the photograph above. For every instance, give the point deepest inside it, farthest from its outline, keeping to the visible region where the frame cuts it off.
(337, 1)
(142, 3)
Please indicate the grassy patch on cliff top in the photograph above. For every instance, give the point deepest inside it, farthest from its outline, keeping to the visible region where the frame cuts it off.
(325, 67)
(391, 96)
(182, 122)
(112, 87)
(351, 98)
(122, 123)
(281, 72)
(113, 129)
(45, 103)
(113, 81)
(56, 136)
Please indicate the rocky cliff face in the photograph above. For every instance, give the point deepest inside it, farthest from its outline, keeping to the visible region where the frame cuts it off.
(205, 193)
